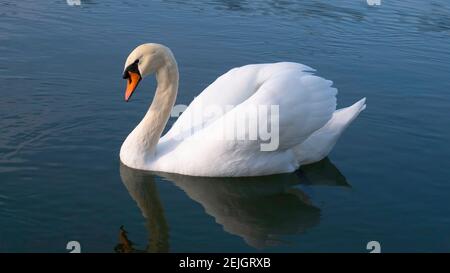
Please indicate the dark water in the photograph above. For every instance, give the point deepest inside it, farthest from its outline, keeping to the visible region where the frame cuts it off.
(63, 119)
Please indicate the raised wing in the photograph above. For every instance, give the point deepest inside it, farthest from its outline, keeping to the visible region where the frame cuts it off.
(305, 103)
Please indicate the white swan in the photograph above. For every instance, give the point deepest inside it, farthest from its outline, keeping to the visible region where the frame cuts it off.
(307, 122)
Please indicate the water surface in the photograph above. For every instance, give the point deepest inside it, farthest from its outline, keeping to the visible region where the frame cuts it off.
(63, 119)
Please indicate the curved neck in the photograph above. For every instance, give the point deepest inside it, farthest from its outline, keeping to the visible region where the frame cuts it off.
(149, 130)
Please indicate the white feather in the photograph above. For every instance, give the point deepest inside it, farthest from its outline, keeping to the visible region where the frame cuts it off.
(309, 125)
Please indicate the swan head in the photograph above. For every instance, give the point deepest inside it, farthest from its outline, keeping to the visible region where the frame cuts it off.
(144, 60)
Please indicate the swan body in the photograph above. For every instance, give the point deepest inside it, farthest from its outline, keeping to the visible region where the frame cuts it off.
(305, 119)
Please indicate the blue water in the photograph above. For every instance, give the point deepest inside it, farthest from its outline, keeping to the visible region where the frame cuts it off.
(63, 119)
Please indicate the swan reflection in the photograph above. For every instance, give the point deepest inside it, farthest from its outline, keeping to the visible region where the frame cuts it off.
(142, 188)
(257, 209)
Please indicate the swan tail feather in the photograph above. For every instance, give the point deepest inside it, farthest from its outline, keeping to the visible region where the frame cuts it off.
(321, 142)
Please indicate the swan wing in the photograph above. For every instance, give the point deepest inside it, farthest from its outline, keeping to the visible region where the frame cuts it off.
(225, 93)
(305, 103)
(300, 103)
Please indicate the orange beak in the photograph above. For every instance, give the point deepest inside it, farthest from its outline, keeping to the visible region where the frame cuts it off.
(133, 81)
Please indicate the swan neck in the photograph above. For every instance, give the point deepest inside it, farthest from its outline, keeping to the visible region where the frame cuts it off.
(159, 111)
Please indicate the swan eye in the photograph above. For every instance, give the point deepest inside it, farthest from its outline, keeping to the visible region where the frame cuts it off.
(131, 68)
